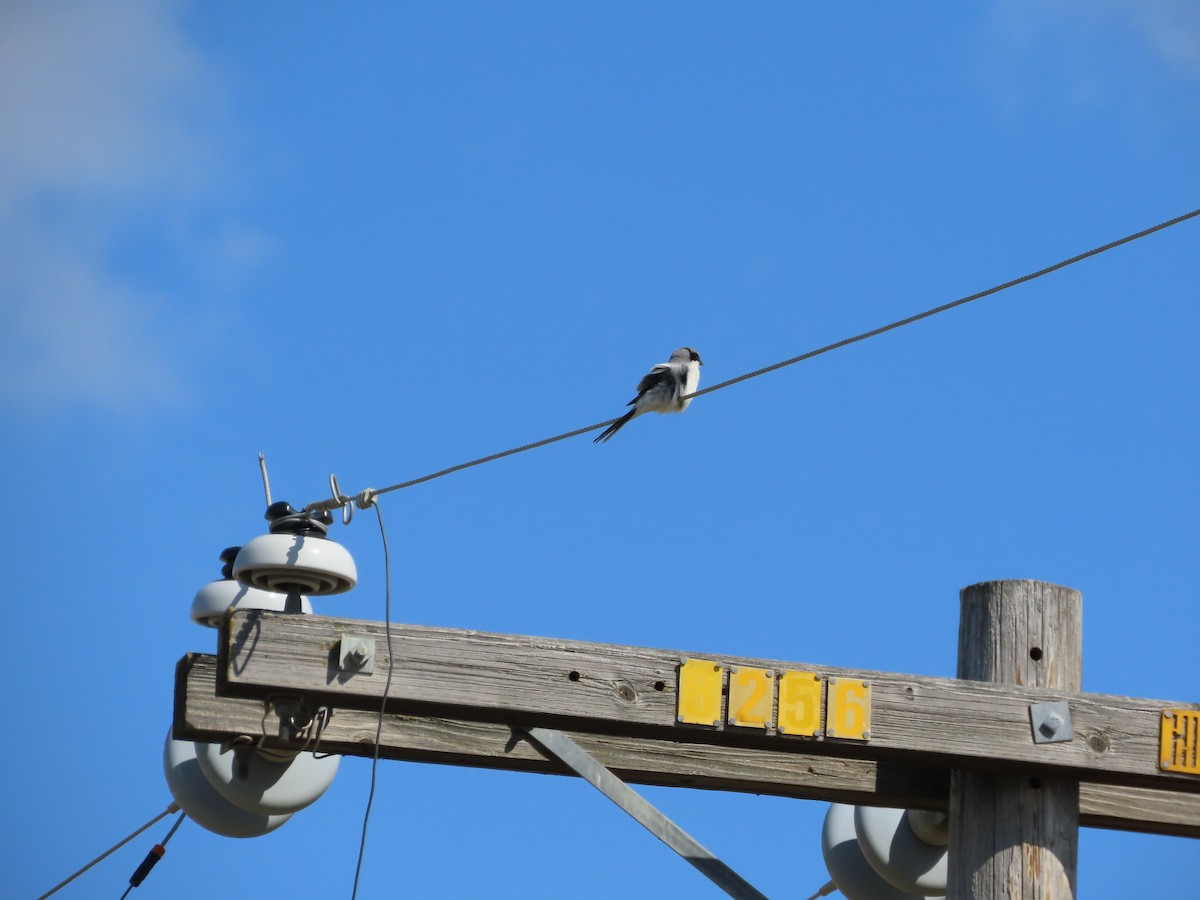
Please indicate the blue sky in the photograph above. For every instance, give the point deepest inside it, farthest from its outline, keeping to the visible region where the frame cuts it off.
(386, 239)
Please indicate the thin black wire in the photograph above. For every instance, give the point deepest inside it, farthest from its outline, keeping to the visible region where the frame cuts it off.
(334, 503)
(387, 686)
(946, 306)
(163, 844)
(174, 828)
(373, 494)
(174, 807)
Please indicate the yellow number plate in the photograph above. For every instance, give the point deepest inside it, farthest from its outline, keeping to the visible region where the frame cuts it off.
(784, 703)
(849, 715)
(751, 692)
(1179, 742)
(700, 684)
(800, 703)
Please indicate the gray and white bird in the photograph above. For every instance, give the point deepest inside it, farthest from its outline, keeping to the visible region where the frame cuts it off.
(665, 389)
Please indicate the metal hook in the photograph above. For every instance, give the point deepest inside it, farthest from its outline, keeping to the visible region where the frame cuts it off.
(346, 503)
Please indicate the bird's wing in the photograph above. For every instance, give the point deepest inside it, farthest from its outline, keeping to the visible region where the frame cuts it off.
(653, 379)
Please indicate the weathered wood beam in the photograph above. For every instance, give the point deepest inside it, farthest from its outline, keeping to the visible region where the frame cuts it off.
(201, 715)
(632, 691)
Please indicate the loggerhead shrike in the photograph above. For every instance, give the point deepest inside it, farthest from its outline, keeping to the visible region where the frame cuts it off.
(664, 390)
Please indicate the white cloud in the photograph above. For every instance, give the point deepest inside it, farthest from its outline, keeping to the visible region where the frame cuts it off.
(1172, 31)
(76, 333)
(108, 118)
(94, 97)
(1089, 53)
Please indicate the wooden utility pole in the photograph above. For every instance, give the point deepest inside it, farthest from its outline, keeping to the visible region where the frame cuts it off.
(1016, 834)
(1012, 748)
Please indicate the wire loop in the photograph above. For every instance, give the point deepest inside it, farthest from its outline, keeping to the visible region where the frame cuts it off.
(341, 500)
(315, 729)
(238, 741)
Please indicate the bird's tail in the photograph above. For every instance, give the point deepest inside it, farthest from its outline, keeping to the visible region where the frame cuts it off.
(614, 427)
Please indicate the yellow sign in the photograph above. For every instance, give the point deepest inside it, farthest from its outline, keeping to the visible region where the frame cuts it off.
(849, 709)
(787, 703)
(1179, 741)
(700, 684)
(800, 703)
(751, 692)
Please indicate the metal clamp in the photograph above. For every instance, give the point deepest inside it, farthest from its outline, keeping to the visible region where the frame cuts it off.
(1051, 722)
(356, 654)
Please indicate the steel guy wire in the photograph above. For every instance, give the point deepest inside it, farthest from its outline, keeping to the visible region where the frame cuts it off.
(156, 853)
(173, 808)
(339, 500)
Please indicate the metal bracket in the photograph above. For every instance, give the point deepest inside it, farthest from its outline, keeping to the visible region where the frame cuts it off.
(590, 769)
(356, 654)
(1051, 722)
(297, 717)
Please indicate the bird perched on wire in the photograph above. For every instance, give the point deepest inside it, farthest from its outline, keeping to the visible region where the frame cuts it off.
(665, 389)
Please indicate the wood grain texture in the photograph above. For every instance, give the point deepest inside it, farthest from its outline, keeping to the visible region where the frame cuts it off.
(1016, 835)
(632, 690)
(202, 715)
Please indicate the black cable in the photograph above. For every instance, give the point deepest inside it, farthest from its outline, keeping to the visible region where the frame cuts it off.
(335, 502)
(946, 306)
(174, 807)
(387, 686)
(156, 853)
(153, 857)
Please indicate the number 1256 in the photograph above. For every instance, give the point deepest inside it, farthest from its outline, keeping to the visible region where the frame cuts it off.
(788, 702)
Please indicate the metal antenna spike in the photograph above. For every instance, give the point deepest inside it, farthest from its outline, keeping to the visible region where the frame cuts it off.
(262, 467)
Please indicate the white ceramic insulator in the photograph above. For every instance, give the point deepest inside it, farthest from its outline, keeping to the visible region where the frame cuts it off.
(217, 597)
(270, 787)
(893, 848)
(199, 799)
(929, 825)
(287, 563)
(849, 869)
